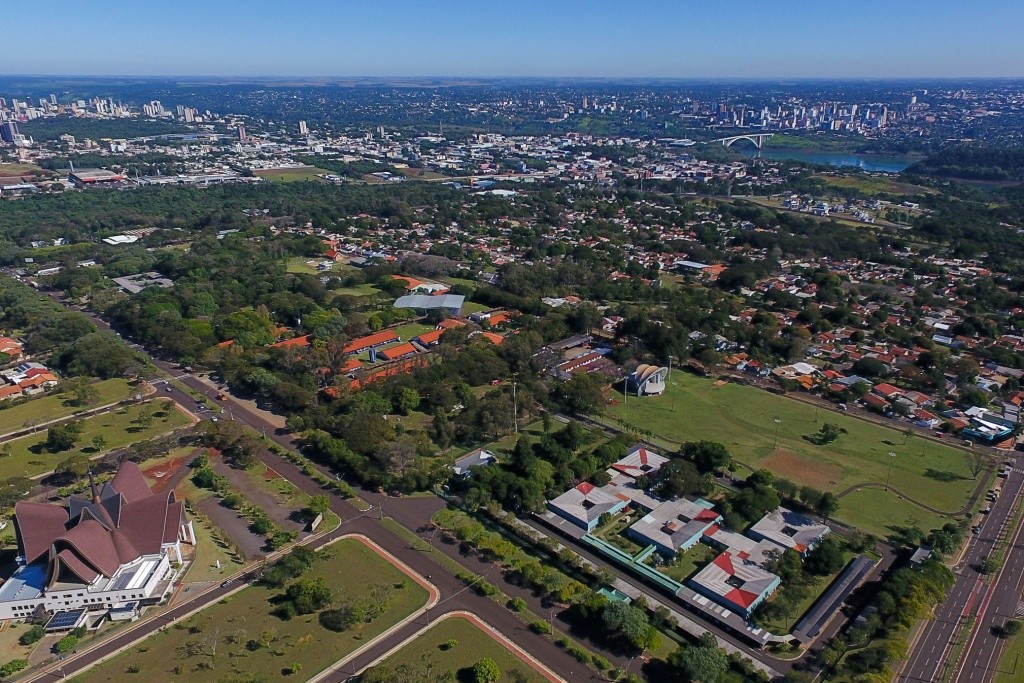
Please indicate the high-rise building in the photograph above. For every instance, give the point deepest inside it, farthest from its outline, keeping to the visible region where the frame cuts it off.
(241, 133)
(9, 131)
(303, 128)
(53, 99)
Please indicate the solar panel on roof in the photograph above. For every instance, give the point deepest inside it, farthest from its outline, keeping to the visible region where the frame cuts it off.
(66, 619)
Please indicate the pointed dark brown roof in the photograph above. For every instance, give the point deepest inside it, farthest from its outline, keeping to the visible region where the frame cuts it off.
(130, 482)
(38, 524)
(127, 521)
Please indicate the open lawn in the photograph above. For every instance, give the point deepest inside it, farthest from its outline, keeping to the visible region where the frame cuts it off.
(292, 175)
(1011, 669)
(301, 264)
(285, 493)
(871, 185)
(364, 289)
(688, 563)
(29, 456)
(816, 586)
(614, 532)
(471, 307)
(251, 641)
(410, 330)
(453, 646)
(10, 648)
(211, 547)
(743, 418)
(56, 406)
(12, 170)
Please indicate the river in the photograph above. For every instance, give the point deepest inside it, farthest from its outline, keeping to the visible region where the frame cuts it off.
(865, 162)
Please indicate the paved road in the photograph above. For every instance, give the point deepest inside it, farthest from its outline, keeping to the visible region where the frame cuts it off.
(454, 594)
(971, 595)
(1000, 602)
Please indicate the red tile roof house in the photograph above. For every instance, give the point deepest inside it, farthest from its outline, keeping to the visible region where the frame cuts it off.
(97, 553)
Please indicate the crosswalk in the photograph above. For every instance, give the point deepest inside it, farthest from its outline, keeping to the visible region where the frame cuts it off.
(1020, 609)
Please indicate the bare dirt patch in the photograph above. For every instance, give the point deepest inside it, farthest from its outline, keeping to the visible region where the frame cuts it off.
(163, 473)
(787, 465)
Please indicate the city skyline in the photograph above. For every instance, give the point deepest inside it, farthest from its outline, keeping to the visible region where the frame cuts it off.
(744, 40)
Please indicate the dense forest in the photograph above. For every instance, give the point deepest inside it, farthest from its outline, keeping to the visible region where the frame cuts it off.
(973, 163)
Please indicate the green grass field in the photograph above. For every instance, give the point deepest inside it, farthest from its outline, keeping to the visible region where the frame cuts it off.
(871, 185)
(183, 652)
(689, 562)
(815, 588)
(1011, 669)
(9, 170)
(410, 330)
(54, 407)
(286, 494)
(364, 289)
(208, 551)
(743, 418)
(471, 307)
(429, 653)
(10, 648)
(298, 264)
(292, 175)
(29, 457)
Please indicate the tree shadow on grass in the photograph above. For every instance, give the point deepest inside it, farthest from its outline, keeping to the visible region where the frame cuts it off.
(943, 475)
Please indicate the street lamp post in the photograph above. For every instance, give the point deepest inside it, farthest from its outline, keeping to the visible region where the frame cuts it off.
(889, 473)
(776, 442)
(515, 405)
(667, 378)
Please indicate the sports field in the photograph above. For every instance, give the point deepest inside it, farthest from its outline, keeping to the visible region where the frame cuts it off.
(453, 646)
(239, 636)
(292, 175)
(744, 419)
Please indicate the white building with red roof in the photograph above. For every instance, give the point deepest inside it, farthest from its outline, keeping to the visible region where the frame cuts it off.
(584, 504)
(735, 583)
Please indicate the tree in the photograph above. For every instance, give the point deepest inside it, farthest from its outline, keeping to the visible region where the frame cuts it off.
(708, 456)
(681, 478)
(33, 635)
(976, 461)
(869, 366)
(826, 559)
(702, 664)
(12, 667)
(628, 624)
(66, 644)
(407, 400)
(309, 595)
(318, 505)
(145, 417)
(827, 505)
(62, 437)
(486, 671)
(582, 394)
(98, 443)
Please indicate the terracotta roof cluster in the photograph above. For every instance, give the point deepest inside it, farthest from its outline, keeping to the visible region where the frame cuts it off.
(93, 538)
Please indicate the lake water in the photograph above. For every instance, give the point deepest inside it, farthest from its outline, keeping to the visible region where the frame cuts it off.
(866, 162)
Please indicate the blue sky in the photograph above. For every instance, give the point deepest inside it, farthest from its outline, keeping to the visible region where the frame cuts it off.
(644, 38)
